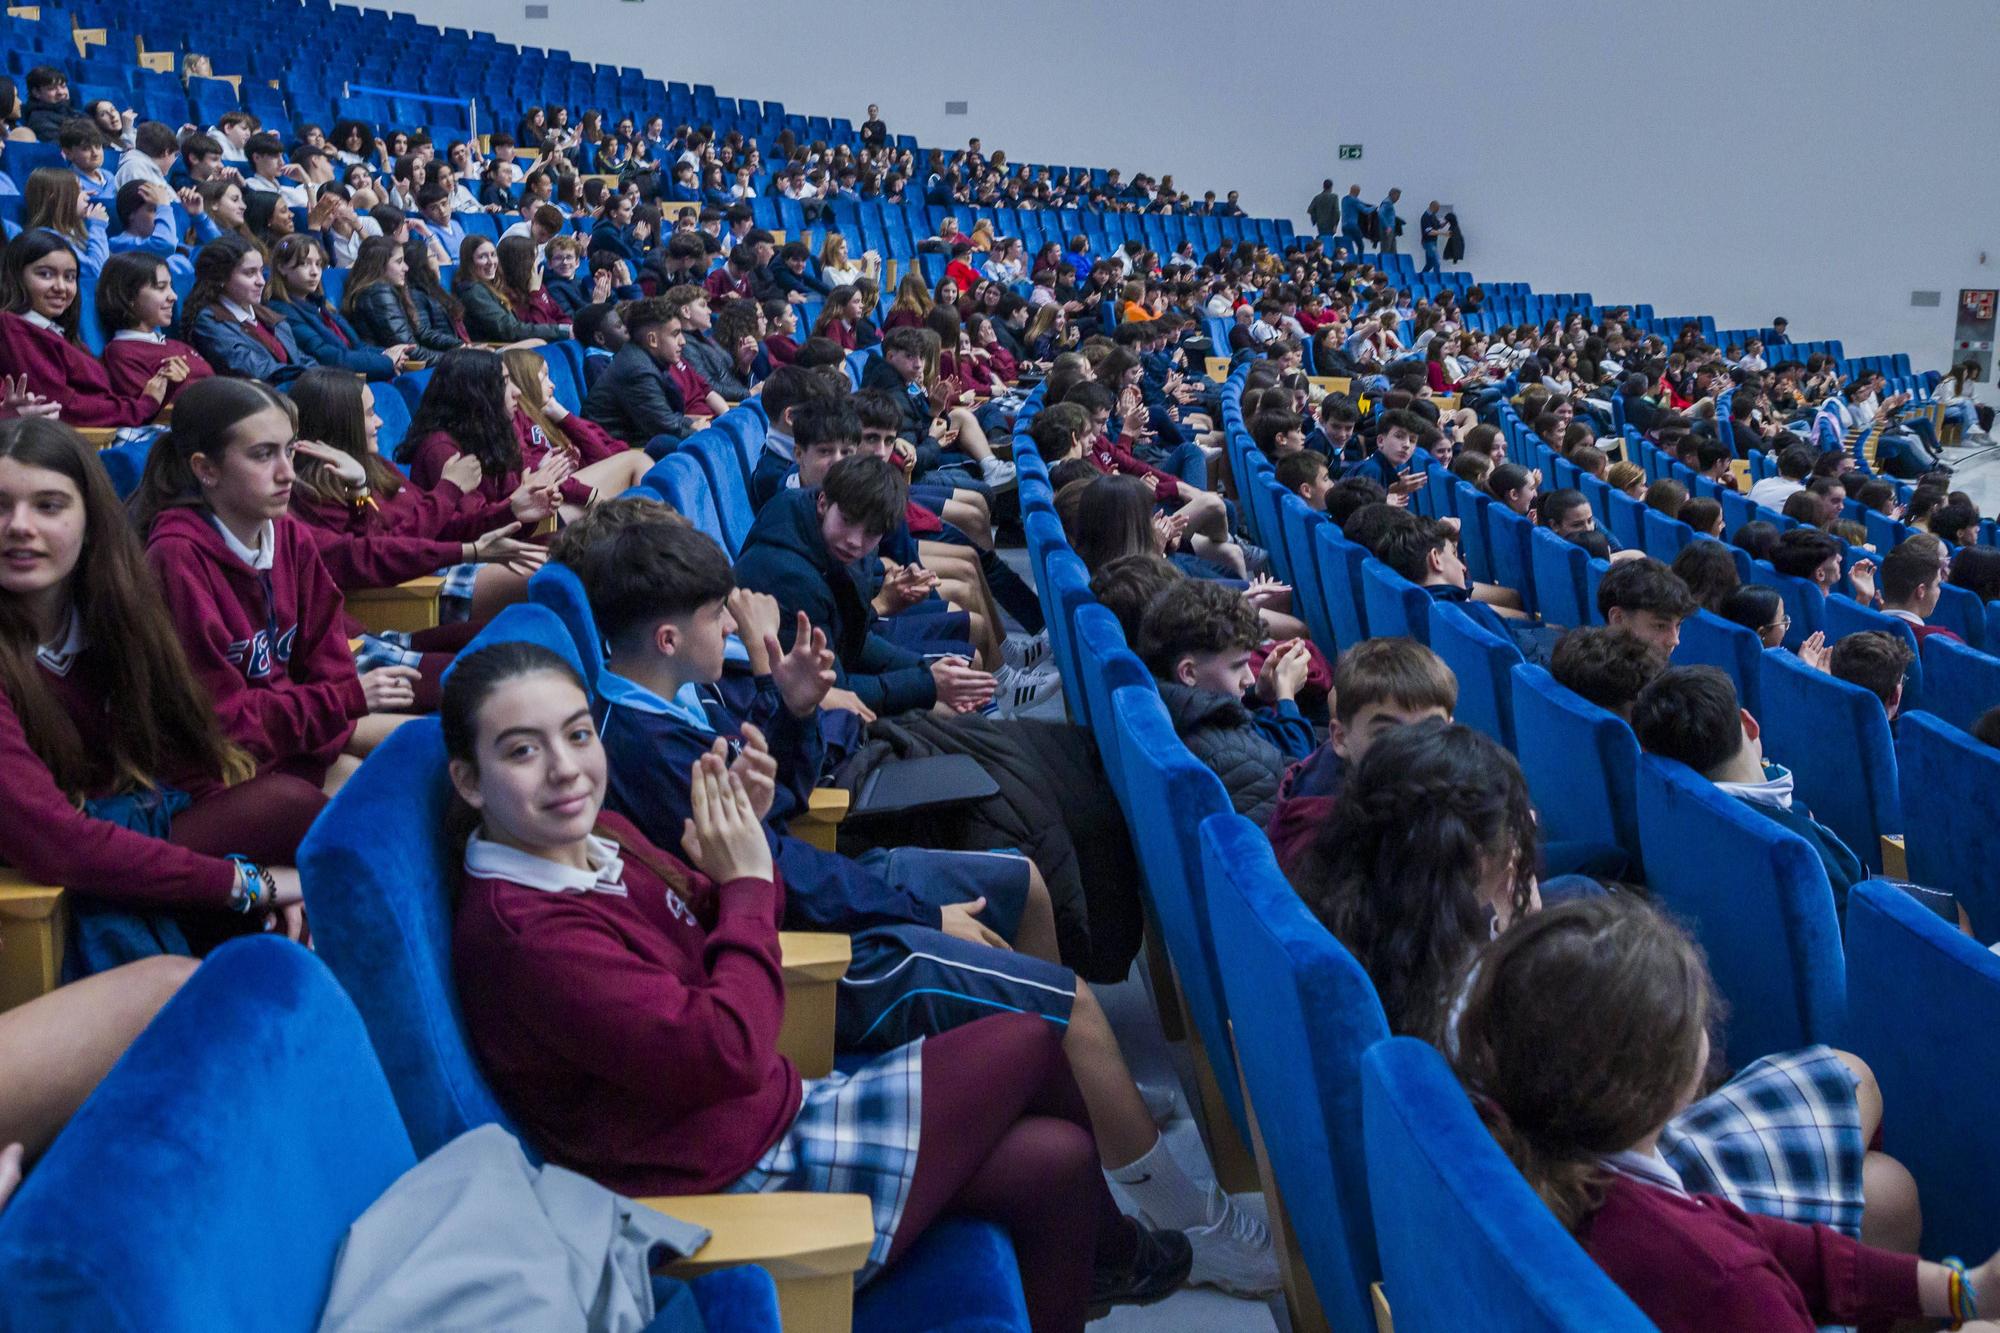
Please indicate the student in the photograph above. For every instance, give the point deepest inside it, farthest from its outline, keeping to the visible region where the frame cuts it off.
(1332, 437)
(39, 341)
(781, 321)
(789, 389)
(83, 146)
(1708, 568)
(142, 219)
(378, 305)
(1426, 552)
(269, 174)
(600, 331)
(135, 306)
(1646, 599)
(1606, 666)
(1197, 638)
(1515, 487)
(563, 283)
(52, 200)
(228, 322)
(1201, 513)
(1585, 1109)
(1878, 662)
(706, 367)
(570, 923)
(802, 550)
(49, 106)
(900, 371)
(257, 613)
(319, 330)
(1305, 475)
(490, 298)
(1278, 434)
(1912, 581)
(520, 275)
(1795, 464)
(1395, 442)
(472, 406)
(1807, 553)
(648, 390)
(145, 813)
(440, 323)
(485, 567)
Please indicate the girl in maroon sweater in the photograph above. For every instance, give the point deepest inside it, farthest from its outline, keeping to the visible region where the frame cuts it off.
(259, 617)
(1580, 1107)
(627, 1008)
(135, 305)
(39, 341)
(471, 406)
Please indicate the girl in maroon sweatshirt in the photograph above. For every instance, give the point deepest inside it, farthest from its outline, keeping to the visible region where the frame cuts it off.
(135, 305)
(259, 616)
(471, 406)
(627, 1008)
(1580, 1108)
(97, 702)
(39, 341)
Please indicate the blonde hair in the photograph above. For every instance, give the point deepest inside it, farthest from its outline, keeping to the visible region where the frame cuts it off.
(526, 368)
(569, 243)
(833, 251)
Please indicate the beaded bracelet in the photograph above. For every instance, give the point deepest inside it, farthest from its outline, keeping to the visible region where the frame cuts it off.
(1960, 1303)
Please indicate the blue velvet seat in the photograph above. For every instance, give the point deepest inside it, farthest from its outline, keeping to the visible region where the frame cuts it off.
(1845, 616)
(1910, 973)
(1835, 738)
(377, 873)
(683, 483)
(1484, 664)
(1066, 585)
(1947, 780)
(1302, 1012)
(1465, 1243)
(1580, 762)
(1804, 602)
(1339, 562)
(137, 1215)
(1474, 536)
(1507, 536)
(1557, 569)
(557, 587)
(1299, 526)
(1396, 607)
(1108, 666)
(1960, 682)
(1756, 898)
(1709, 640)
(716, 451)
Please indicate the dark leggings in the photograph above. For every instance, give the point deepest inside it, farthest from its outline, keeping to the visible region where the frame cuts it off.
(264, 819)
(439, 645)
(1018, 1151)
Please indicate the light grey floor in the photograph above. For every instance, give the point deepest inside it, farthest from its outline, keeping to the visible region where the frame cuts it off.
(1976, 471)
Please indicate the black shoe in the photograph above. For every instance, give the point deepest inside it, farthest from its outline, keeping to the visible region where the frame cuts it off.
(1159, 1267)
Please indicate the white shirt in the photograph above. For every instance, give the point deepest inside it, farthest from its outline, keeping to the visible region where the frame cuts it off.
(42, 321)
(157, 337)
(291, 192)
(1772, 492)
(136, 166)
(492, 860)
(260, 557)
(60, 655)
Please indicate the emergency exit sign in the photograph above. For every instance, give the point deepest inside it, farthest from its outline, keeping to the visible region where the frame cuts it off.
(1350, 152)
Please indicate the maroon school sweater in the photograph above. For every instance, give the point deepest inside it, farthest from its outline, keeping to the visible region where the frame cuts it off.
(590, 439)
(59, 369)
(443, 513)
(635, 1038)
(270, 647)
(51, 841)
(130, 362)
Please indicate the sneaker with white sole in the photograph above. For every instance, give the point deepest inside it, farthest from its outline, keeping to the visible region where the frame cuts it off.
(1232, 1251)
(997, 473)
(1015, 690)
(1025, 652)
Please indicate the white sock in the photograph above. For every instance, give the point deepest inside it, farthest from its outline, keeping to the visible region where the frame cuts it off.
(987, 466)
(1162, 1191)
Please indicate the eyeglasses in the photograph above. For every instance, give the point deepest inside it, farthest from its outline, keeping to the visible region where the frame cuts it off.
(1781, 624)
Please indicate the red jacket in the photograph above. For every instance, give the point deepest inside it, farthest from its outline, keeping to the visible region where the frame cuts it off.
(722, 285)
(59, 369)
(270, 647)
(592, 444)
(130, 362)
(442, 513)
(636, 1036)
(1116, 456)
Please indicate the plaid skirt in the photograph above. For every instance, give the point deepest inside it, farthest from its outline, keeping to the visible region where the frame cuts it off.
(387, 649)
(455, 598)
(1782, 1139)
(856, 1133)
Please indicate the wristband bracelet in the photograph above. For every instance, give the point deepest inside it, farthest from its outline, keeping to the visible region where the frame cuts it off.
(254, 886)
(1960, 1303)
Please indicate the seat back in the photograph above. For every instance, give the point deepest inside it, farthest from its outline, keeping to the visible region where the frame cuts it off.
(1484, 664)
(1302, 1011)
(1909, 972)
(1579, 760)
(1845, 616)
(1158, 774)
(1663, 536)
(1507, 536)
(1959, 682)
(1709, 640)
(1297, 524)
(1756, 898)
(1339, 561)
(1465, 1242)
(1107, 666)
(1960, 611)
(1625, 519)
(722, 465)
(1069, 587)
(1559, 571)
(1947, 780)
(682, 482)
(137, 1215)
(1474, 534)
(565, 358)
(1835, 738)
(1804, 602)
(557, 587)
(1397, 608)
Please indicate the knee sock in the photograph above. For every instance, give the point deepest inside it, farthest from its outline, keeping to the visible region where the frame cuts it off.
(1161, 1190)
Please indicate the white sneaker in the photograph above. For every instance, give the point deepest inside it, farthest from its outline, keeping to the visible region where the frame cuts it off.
(1233, 1250)
(1016, 691)
(1162, 1103)
(1025, 652)
(997, 473)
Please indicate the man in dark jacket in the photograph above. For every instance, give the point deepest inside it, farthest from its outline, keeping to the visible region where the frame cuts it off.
(1324, 210)
(1197, 637)
(806, 549)
(716, 364)
(634, 398)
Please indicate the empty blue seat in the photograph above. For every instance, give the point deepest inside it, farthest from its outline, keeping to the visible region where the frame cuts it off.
(1339, 563)
(1298, 525)
(1484, 664)
(1960, 611)
(1947, 780)
(1756, 898)
(1559, 570)
(1303, 1012)
(1910, 973)
(1959, 683)
(683, 483)
(1396, 607)
(1108, 665)
(722, 465)
(1464, 1241)
(1507, 535)
(1580, 762)
(1835, 738)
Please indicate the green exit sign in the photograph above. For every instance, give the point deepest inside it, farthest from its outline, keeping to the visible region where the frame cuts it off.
(1350, 152)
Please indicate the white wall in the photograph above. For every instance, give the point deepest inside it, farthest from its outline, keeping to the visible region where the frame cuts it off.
(1724, 157)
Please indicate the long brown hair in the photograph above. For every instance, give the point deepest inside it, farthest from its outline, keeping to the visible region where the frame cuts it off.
(371, 265)
(1581, 1035)
(524, 366)
(911, 294)
(167, 721)
(205, 414)
(53, 199)
(333, 410)
(213, 265)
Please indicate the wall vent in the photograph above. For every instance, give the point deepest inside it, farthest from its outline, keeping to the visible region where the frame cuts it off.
(1926, 298)
(955, 108)
(538, 11)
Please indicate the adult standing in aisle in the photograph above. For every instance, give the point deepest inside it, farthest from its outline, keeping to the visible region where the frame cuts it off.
(1351, 209)
(1324, 211)
(1385, 215)
(1431, 228)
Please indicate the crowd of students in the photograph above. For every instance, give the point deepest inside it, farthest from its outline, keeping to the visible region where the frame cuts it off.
(625, 859)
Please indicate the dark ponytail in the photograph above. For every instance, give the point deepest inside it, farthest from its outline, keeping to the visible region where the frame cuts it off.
(206, 412)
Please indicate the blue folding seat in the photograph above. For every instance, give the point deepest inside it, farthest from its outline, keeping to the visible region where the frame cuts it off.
(1960, 611)
(1845, 616)
(683, 483)
(1507, 536)
(565, 358)
(1302, 1012)
(1910, 972)
(1960, 683)
(1484, 664)
(1296, 527)
(1756, 898)
(1835, 738)
(1558, 570)
(1109, 665)
(722, 466)
(1465, 1243)
(1947, 779)
(1624, 520)
(1338, 562)
(1396, 607)
(1580, 762)
(1663, 537)
(1804, 602)
(1709, 640)
(1474, 535)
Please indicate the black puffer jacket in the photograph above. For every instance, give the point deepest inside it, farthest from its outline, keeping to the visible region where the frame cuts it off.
(1218, 731)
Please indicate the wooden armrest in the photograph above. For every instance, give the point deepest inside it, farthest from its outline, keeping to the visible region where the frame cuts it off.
(820, 824)
(1217, 368)
(31, 938)
(1895, 856)
(810, 1244)
(407, 606)
(1383, 1323)
(814, 962)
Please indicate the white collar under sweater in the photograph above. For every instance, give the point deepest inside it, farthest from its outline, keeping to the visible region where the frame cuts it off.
(493, 860)
(1774, 790)
(262, 556)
